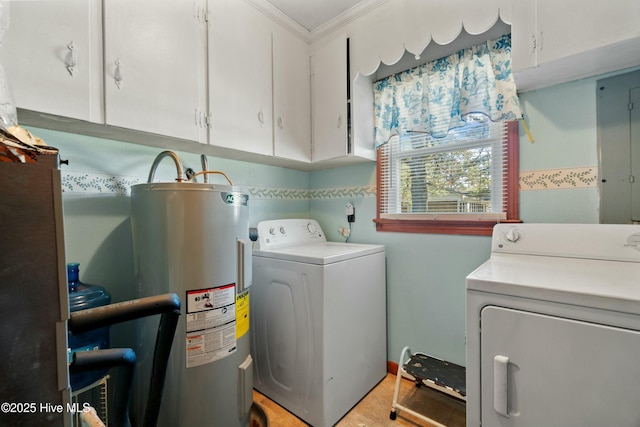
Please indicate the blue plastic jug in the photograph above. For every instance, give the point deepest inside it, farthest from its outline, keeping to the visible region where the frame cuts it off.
(83, 296)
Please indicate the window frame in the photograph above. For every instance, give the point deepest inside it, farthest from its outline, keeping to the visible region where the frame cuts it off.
(460, 226)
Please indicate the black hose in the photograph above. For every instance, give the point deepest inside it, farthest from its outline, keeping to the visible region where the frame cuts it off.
(107, 315)
(164, 340)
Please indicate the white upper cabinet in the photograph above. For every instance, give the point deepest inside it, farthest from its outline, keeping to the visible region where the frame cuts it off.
(523, 35)
(569, 27)
(329, 94)
(52, 57)
(240, 77)
(559, 41)
(291, 96)
(155, 62)
(259, 87)
(342, 107)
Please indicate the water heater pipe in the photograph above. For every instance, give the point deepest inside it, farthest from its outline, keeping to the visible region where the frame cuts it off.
(159, 158)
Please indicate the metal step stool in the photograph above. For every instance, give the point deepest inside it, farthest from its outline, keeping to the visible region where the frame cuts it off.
(433, 372)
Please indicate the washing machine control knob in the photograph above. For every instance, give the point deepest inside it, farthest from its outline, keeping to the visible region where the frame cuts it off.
(272, 231)
(282, 231)
(311, 227)
(512, 236)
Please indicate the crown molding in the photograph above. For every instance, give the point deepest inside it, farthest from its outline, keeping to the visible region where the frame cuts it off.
(276, 15)
(345, 17)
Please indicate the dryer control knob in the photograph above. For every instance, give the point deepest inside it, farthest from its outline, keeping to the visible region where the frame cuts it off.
(272, 231)
(311, 227)
(512, 236)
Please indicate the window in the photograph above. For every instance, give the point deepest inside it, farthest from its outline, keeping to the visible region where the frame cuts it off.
(447, 141)
(463, 183)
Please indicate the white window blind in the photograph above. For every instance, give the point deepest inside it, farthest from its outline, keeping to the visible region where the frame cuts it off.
(460, 176)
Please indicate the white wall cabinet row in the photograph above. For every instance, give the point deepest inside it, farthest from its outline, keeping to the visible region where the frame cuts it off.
(216, 71)
(222, 73)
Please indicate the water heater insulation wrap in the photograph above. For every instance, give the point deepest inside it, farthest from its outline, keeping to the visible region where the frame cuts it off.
(187, 239)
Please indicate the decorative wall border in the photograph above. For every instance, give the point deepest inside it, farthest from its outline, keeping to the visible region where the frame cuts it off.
(343, 192)
(272, 193)
(531, 180)
(559, 179)
(96, 183)
(117, 185)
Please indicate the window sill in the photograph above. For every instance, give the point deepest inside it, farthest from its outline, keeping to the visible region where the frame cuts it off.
(464, 227)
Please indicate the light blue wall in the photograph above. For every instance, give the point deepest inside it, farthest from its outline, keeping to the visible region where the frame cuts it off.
(425, 273)
(562, 121)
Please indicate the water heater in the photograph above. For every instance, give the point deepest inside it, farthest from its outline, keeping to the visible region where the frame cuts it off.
(193, 239)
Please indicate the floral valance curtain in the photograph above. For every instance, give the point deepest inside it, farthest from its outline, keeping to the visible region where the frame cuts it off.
(436, 96)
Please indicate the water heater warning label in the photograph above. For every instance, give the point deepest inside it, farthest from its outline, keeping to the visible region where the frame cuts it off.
(211, 324)
(242, 314)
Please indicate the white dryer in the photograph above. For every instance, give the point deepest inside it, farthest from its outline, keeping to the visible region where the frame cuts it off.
(318, 320)
(553, 327)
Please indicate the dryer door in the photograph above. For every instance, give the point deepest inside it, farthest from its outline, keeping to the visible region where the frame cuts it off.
(540, 370)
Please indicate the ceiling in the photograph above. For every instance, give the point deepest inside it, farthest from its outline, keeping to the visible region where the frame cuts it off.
(313, 13)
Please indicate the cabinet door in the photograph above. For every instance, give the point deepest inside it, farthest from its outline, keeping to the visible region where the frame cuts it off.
(291, 96)
(155, 79)
(523, 34)
(329, 93)
(634, 119)
(551, 371)
(240, 99)
(570, 27)
(44, 41)
(362, 127)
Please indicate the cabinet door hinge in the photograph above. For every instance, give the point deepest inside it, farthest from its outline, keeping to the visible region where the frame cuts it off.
(630, 106)
(533, 44)
(201, 14)
(202, 119)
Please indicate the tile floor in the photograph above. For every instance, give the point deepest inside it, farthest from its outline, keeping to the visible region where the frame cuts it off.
(373, 410)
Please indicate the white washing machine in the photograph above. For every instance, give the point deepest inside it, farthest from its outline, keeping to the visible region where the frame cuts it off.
(318, 320)
(553, 327)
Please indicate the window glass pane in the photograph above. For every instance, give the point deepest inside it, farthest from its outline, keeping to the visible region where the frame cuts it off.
(452, 181)
(459, 174)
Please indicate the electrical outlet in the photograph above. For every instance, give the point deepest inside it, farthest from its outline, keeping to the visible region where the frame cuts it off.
(351, 212)
(349, 209)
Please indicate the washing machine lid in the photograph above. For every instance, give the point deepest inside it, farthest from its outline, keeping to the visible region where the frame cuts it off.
(587, 265)
(320, 253)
